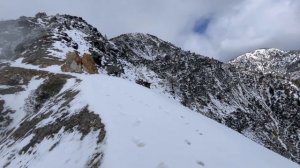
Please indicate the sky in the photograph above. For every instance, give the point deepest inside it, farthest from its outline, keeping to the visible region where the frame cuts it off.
(222, 29)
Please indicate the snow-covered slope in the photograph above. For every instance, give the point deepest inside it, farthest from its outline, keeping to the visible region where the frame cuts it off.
(146, 129)
(264, 107)
(143, 129)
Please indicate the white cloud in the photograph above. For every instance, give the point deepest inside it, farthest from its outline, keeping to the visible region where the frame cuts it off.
(255, 24)
(236, 26)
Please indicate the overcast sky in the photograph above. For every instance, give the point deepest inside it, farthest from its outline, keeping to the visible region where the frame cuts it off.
(221, 29)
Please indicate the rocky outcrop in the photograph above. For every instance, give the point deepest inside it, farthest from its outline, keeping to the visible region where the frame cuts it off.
(74, 63)
(88, 64)
(84, 122)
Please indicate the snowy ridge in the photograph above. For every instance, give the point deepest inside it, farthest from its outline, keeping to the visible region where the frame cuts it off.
(144, 45)
(153, 128)
(49, 133)
(148, 107)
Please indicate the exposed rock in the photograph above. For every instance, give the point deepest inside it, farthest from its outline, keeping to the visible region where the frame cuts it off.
(73, 63)
(143, 83)
(95, 162)
(11, 90)
(1, 105)
(114, 70)
(4, 117)
(28, 126)
(41, 15)
(14, 76)
(84, 122)
(44, 92)
(89, 64)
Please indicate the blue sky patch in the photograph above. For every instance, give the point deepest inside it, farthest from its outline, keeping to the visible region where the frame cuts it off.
(201, 26)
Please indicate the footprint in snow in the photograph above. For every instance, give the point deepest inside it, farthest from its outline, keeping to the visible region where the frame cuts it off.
(138, 142)
(200, 163)
(137, 123)
(162, 165)
(187, 142)
(122, 113)
(200, 133)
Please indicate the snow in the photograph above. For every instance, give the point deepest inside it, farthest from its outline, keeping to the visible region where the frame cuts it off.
(143, 129)
(59, 50)
(17, 101)
(41, 22)
(78, 37)
(146, 129)
(70, 151)
(69, 84)
(223, 107)
(4, 86)
(267, 60)
(147, 52)
(20, 64)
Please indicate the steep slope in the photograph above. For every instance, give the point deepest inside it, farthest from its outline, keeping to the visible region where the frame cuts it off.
(263, 107)
(142, 129)
(159, 132)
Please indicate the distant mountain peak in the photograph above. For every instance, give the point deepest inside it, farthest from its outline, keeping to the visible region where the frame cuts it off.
(271, 60)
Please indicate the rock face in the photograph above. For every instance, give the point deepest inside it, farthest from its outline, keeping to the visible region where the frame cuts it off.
(255, 94)
(88, 64)
(74, 63)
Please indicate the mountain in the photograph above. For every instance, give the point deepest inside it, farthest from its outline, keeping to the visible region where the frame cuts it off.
(274, 61)
(70, 97)
(271, 61)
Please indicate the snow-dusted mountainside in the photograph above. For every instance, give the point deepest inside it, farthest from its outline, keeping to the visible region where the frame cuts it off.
(263, 107)
(71, 97)
(142, 129)
(286, 63)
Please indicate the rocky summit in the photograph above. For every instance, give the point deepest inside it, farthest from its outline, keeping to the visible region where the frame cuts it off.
(71, 97)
